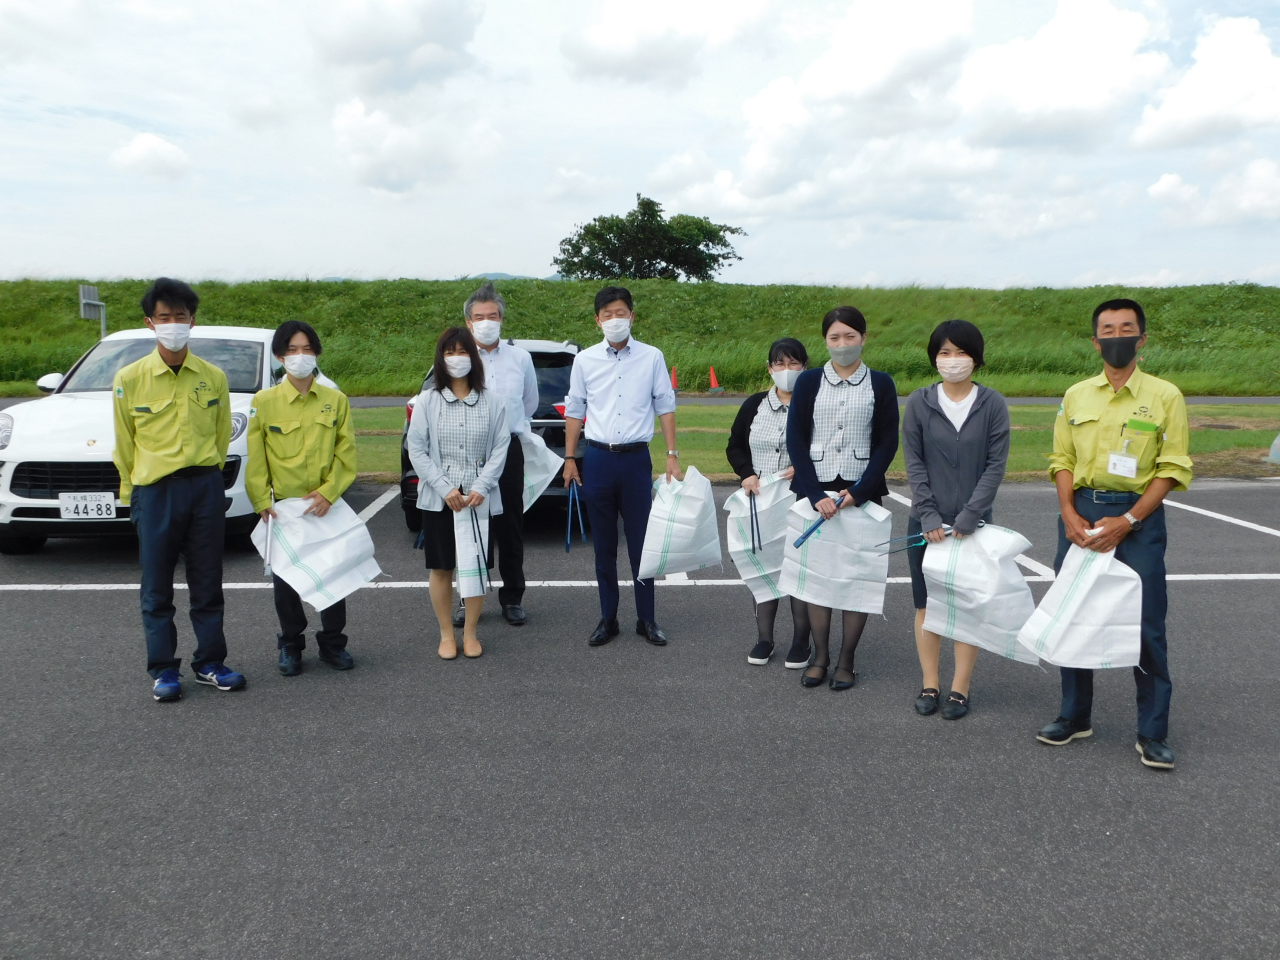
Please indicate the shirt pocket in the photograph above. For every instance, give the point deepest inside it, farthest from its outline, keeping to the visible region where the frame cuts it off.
(326, 438)
(153, 421)
(1087, 439)
(204, 414)
(1142, 444)
(284, 439)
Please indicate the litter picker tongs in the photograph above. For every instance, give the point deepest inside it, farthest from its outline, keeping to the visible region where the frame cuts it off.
(816, 524)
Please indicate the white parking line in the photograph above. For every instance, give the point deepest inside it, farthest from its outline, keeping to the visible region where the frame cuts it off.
(367, 513)
(1223, 517)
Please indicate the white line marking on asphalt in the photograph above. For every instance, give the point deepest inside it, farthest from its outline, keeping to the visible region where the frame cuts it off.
(367, 513)
(1042, 573)
(422, 584)
(1223, 517)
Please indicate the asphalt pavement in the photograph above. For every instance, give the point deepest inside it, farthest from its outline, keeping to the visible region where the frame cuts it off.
(553, 800)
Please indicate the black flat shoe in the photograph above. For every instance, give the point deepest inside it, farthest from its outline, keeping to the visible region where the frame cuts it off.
(927, 702)
(605, 631)
(808, 681)
(651, 632)
(957, 706)
(513, 613)
(844, 684)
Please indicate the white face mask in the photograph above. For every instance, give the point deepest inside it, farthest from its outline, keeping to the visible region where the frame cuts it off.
(300, 365)
(458, 367)
(785, 380)
(617, 329)
(173, 336)
(954, 369)
(487, 332)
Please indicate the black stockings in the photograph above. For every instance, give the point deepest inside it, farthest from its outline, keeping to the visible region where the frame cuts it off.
(820, 619)
(766, 613)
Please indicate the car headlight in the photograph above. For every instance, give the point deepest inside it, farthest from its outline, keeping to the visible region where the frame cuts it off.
(238, 424)
(6, 430)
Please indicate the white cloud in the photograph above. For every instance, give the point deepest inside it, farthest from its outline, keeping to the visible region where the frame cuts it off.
(1234, 85)
(153, 156)
(1069, 80)
(570, 182)
(662, 42)
(1249, 194)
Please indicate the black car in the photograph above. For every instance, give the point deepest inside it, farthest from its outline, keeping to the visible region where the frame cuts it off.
(552, 361)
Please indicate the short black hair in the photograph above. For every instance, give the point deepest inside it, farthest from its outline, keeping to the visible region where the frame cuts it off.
(285, 332)
(788, 348)
(849, 316)
(173, 292)
(610, 294)
(457, 337)
(1120, 304)
(962, 334)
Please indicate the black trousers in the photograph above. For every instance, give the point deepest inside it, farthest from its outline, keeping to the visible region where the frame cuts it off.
(506, 531)
(293, 621)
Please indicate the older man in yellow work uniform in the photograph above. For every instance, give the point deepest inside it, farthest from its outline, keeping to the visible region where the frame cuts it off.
(301, 444)
(1120, 445)
(173, 425)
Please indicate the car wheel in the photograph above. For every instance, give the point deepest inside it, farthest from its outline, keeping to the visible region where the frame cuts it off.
(17, 545)
(413, 518)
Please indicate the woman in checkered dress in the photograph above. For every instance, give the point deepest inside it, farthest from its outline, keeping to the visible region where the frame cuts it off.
(457, 442)
(842, 434)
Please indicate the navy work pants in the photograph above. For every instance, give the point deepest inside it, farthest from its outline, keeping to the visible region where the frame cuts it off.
(187, 515)
(293, 621)
(506, 530)
(1143, 550)
(618, 483)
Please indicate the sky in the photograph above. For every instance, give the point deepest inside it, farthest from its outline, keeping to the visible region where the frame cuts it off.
(989, 143)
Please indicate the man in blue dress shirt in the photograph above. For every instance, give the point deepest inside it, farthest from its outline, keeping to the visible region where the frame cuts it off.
(618, 386)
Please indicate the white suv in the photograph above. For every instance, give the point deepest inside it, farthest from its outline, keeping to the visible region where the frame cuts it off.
(62, 444)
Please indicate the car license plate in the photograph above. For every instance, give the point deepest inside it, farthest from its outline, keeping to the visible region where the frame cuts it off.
(87, 506)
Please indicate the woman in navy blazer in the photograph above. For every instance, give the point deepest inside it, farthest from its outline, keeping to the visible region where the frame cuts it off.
(842, 434)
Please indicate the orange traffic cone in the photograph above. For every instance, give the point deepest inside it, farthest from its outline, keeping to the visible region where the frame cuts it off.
(715, 385)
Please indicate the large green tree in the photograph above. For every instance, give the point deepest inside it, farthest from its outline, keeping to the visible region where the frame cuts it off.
(645, 245)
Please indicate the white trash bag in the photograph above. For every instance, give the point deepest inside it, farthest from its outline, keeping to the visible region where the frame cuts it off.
(758, 555)
(540, 468)
(471, 549)
(842, 565)
(977, 594)
(682, 534)
(1092, 615)
(323, 558)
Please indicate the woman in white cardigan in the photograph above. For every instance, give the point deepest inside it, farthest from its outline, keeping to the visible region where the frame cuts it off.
(457, 442)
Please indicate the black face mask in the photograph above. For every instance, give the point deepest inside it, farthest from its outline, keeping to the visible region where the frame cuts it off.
(1119, 352)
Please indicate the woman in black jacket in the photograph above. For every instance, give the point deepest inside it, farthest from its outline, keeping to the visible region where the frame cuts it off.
(758, 447)
(955, 437)
(842, 434)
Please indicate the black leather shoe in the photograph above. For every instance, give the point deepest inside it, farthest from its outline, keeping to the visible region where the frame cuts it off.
(513, 613)
(1156, 754)
(605, 631)
(808, 681)
(927, 702)
(1062, 731)
(460, 615)
(844, 684)
(290, 662)
(957, 706)
(338, 659)
(651, 632)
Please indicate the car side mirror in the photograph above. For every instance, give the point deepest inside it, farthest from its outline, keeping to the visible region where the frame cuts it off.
(49, 382)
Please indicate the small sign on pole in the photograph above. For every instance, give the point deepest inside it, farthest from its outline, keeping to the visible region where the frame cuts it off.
(91, 308)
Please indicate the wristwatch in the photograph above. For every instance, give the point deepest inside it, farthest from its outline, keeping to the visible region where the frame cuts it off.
(674, 453)
(1134, 522)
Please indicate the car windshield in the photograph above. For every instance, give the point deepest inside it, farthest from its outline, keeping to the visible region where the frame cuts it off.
(240, 360)
(553, 381)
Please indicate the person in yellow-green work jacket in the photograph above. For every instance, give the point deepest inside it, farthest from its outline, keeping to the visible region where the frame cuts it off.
(172, 426)
(301, 444)
(1120, 445)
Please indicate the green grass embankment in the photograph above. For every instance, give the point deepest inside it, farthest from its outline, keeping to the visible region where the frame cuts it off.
(379, 335)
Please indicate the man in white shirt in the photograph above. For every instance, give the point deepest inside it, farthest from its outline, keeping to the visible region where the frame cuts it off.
(618, 386)
(508, 373)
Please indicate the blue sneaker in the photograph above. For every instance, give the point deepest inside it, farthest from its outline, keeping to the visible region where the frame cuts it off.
(220, 676)
(167, 687)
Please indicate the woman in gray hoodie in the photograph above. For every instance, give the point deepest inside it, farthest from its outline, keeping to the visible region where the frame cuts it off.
(955, 439)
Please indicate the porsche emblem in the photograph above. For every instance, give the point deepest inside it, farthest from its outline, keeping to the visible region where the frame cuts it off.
(90, 443)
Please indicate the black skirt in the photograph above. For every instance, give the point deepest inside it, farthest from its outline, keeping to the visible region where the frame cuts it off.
(438, 544)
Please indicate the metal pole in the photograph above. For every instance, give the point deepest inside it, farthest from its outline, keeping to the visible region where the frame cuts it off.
(103, 335)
